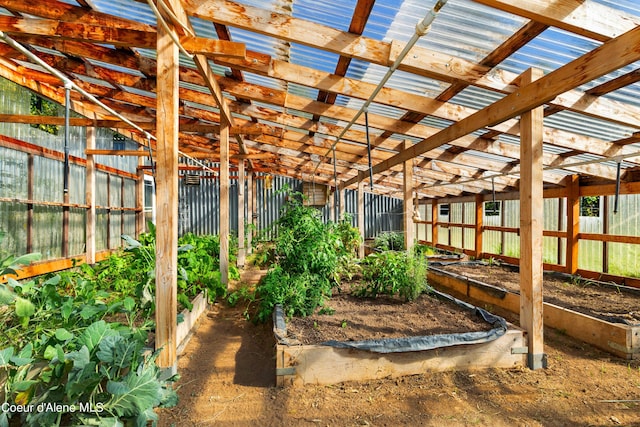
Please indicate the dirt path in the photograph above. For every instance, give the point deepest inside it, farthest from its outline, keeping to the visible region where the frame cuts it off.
(228, 380)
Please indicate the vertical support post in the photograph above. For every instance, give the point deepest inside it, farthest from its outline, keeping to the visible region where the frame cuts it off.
(605, 231)
(167, 200)
(503, 222)
(479, 225)
(250, 210)
(560, 219)
(409, 228)
(140, 223)
(361, 213)
(342, 204)
(531, 223)
(573, 222)
(90, 197)
(242, 250)
(332, 208)
(462, 229)
(30, 181)
(434, 222)
(224, 201)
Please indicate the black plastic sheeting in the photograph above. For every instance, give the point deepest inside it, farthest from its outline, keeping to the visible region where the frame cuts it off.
(420, 343)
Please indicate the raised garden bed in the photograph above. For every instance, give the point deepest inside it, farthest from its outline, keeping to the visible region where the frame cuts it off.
(373, 339)
(189, 321)
(601, 314)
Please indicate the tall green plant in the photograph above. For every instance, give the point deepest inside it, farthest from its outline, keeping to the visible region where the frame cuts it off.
(393, 273)
(307, 260)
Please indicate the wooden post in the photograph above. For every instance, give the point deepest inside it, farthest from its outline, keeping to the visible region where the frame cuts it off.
(342, 195)
(332, 207)
(434, 222)
(531, 224)
(573, 222)
(250, 209)
(407, 172)
(241, 240)
(361, 213)
(224, 201)
(479, 225)
(140, 222)
(90, 197)
(122, 205)
(605, 230)
(167, 201)
(560, 219)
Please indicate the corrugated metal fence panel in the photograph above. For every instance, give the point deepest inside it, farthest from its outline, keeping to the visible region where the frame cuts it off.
(511, 245)
(77, 231)
(48, 180)
(129, 202)
(47, 231)
(13, 222)
(469, 218)
(13, 174)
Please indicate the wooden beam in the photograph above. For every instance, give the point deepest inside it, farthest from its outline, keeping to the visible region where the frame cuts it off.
(531, 225)
(610, 56)
(573, 222)
(140, 196)
(167, 201)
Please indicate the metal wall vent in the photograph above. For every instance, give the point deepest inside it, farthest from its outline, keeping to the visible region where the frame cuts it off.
(191, 179)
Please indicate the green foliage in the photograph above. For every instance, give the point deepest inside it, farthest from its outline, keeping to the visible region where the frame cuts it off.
(43, 107)
(97, 373)
(132, 271)
(424, 250)
(309, 258)
(393, 273)
(389, 241)
(349, 235)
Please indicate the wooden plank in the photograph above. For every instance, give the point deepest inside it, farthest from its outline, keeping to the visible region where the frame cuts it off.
(620, 340)
(409, 227)
(102, 152)
(634, 240)
(186, 328)
(54, 265)
(242, 250)
(634, 282)
(531, 224)
(90, 198)
(167, 201)
(323, 365)
(573, 222)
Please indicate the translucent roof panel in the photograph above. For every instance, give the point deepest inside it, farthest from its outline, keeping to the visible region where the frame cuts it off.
(336, 14)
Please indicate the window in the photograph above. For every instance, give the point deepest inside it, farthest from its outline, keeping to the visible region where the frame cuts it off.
(590, 206)
(492, 208)
(444, 210)
(42, 107)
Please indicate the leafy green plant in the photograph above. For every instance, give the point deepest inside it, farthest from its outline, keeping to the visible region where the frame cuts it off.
(389, 241)
(308, 256)
(393, 273)
(98, 375)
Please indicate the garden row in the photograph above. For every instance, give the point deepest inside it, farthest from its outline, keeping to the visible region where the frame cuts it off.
(76, 346)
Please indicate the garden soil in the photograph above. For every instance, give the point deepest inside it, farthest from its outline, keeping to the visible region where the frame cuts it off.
(228, 379)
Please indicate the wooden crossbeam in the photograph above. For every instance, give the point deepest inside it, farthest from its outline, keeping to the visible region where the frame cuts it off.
(610, 56)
